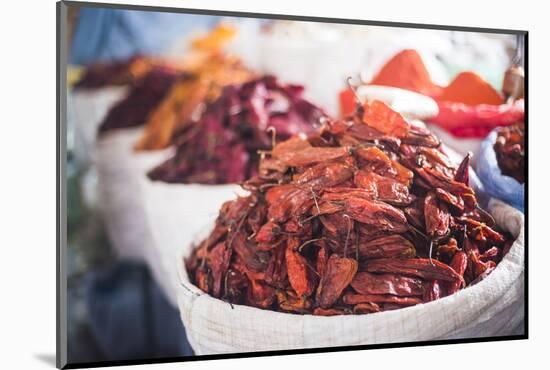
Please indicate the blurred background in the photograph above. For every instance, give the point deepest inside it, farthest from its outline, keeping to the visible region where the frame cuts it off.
(118, 307)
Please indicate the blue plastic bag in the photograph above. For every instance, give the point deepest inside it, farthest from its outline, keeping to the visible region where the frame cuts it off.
(495, 183)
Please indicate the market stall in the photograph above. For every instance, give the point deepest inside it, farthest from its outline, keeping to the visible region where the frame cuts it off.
(296, 185)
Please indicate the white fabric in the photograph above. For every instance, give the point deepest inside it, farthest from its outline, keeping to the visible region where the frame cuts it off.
(175, 214)
(120, 176)
(89, 107)
(146, 220)
(493, 307)
(410, 104)
(296, 52)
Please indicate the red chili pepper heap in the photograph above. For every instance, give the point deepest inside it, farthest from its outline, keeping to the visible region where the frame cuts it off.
(510, 151)
(368, 215)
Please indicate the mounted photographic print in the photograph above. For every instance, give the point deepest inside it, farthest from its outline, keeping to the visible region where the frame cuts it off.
(239, 184)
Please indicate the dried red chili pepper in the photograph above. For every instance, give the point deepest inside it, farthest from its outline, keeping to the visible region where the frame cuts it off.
(363, 308)
(459, 264)
(289, 301)
(268, 232)
(437, 217)
(491, 254)
(312, 155)
(397, 285)
(202, 279)
(433, 291)
(418, 267)
(480, 231)
(324, 175)
(392, 246)
(446, 251)
(384, 119)
(260, 294)
(219, 261)
(338, 275)
(456, 202)
(288, 200)
(353, 299)
(296, 266)
(375, 213)
(463, 171)
(379, 162)
(387, 190)
(330, 311)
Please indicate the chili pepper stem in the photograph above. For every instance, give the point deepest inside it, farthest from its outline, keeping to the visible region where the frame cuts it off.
(413, 228)
(486, 214)
(315, 200)
(430, 252)
(353, 89)
(312, 269)
(273, 132)
(308, 242)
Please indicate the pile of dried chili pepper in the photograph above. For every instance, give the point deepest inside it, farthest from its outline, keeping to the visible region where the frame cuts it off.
(221, 147)
(510, 151)
(208, 69)
(145, 94)
(115, 73)
(202, 84)
(367, 215)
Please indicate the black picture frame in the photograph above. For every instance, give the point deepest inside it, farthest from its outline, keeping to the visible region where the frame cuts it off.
(61, 221)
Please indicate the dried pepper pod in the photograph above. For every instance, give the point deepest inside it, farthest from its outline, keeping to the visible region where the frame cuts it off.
(353, 299)
(338, 275)
(397, 285)
(391, 246)
(433, 291)
(417, 267)
(437, 217)
(297, 270)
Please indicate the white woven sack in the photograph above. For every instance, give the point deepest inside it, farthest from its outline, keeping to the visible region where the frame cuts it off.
(120, 174)
(175, 214)
(493, 307)
(89, 107)
(410, 104)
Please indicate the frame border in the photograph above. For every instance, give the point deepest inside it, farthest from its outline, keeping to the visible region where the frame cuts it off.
(61, 194)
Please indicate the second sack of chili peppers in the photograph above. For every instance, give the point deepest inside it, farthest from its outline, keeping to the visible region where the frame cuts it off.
(501, 166)
(222, 146)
